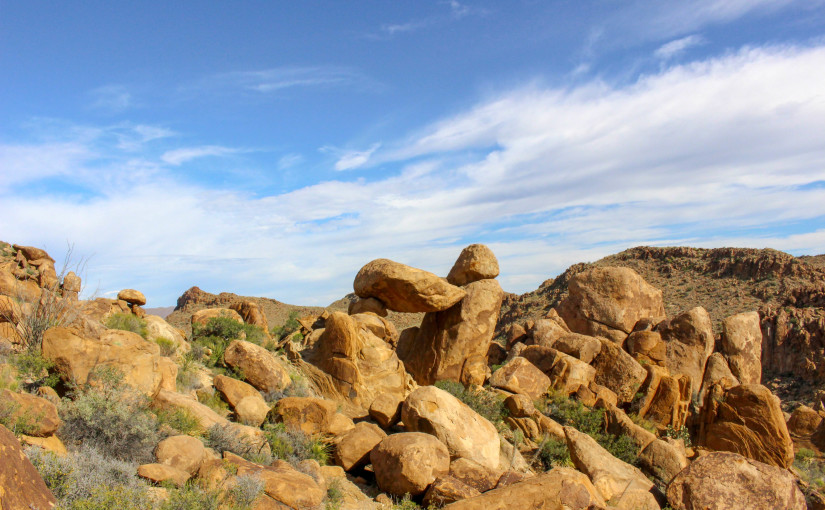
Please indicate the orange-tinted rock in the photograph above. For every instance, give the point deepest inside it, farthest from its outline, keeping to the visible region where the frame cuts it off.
(689, 338)
(132, 296)
(476, 262)
(742, 346)
(618, 371)
(307, 414)
(251, 313)
(474, 474)
(160, 473)
(21, 487)
(259, 367)
(521, 376)
(447, 489)
(404, 288)
(201, 317)
(804, 421)
(407, 463)
(386, 410)
(367, 305)
(33, 415)
(354, 447)
(185, 453)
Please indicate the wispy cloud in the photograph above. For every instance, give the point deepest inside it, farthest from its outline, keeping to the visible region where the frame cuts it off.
(350, 159)
(678, 46)
(289, 161)
(457, 11)
(179, 156)
(273, 80)
(111, 98)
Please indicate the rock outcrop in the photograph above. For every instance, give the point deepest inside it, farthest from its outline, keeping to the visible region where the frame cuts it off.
(21, 486)
(404, 288)
(407, 463)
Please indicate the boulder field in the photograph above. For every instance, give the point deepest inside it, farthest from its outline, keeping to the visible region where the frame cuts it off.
(602, 402)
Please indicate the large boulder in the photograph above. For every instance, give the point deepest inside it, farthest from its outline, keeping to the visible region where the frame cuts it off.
(689, 339)
(582, 347)
(647, 347)
(559, 489)
(33, 415)
(25, 290)
(21, 487)
(353, 448)
(251, 313)
(157, 327)
(476, 262)
(446, 489)
(283, 483)
(608, 301)
(138, 360)
(310, 415)
(742, 346)
(466, 433)
(614, 479)
(566, 373)
(132, 296)
(163, 473)
(182, 452)
(360, 365)
(747, 420)
(618, 371)
(717, 371)
(447, 339)
(249, 406)
(666, 399)
(407, 463)
(727, 481)
(260, 368)
(33, 253)
(520, 376)
(201, 317)
(404, 288)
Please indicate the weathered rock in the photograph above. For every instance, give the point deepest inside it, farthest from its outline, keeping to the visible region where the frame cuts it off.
(25, 290)
(404, 288)
(407, 463)
(159, 473)
(308, 414)
(259, 367)
(447, 489)
(251, 411)
(545, 332)
(662, 460)
(647, 347)
(185, 453)
(618, 371)
(132, 296)
(33, 415)
(558, 489)
(282, 482)
(473, 474)
(804, 421)
(354, 447)
(525, 417)
(367, 305)
(666, 399)
(249, 406)
(608, 301)
(201, 317)
(49, 443)
(448, 338)
(689, 339)
(360, 365)
(251, 313)
(591, 393)
(619, 424)
(476, 371)
(157, 327)
(521, 376)
(21, 486)
(611, 477)
(717, 372)
(138, 360)
(378, 326)
(72, 283)
(10, 310)
(466, 433)
(747, 420)
(742, 346)
(476, 262)
(581, 347)
(727, 481)
(566, 373)
(386, 410)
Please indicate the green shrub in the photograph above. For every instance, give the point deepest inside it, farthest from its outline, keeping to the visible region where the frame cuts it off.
(179, 419)
(214, 401)
(187, 370)
(810, 468)
(405, 503)
(18, 423)
(293, 446)
(287, 328)
(554, 453)
(110, 417)
(191, 496)
(228, 439)
(167, 346)
(216, 335)
(488, 404)
(127, 322)
(34, 368)
(681, 433)
(334, 495)
(88, 480)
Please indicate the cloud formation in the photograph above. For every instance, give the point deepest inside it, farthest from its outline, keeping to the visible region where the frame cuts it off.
(678, 46)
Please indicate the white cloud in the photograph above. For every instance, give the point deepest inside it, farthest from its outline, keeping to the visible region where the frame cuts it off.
(112, 98)
(678, 46)
(179, 156)
(266, 81)
(721, 151)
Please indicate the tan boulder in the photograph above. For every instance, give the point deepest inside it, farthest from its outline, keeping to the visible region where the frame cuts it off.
(72, 283)
(474, 474)
(545, 332)
(157, 327)
(10, 310)
(138, 360)
(446, 489)
(592, 393)
(367, 305)
(49, 443)
(804, 421)
(581, 347)
(308, 414)
(201, 317)
(727, 481)
(10, 335)
(647, 347)
(259, 367)
(404, 288)
(360, 365)
(386, 410)
(34, 416)
(558, 489)
(566, 373)
(515, 333)
(747, 420)
(666, 399)
(21, 486)
(466, 433)
(159, 473)
(662, 460)
(689, 338)
(618, 371)
(618, 423)
(185, 453)
(354, 447)
(447, 339)
(25, 290)
(742, 346)
(476, 262)
(608, 301)
(249, 406)
(132, 296)
(520, 376)
(250, 312)
(718, 372)
(407, 463)
(251, 411)
(378, 326)
(282, 482)
(614, 479)
(33, 253)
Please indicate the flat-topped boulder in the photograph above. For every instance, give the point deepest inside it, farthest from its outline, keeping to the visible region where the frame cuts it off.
(405, 289)
(132, 296)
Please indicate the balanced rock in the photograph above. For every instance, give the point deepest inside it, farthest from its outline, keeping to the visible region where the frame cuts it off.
(476, 262)
(259, 366)
(608, 301)
(742, 346)
(33, 253)
(804, 421)
(404, 288)
(727, 481)
(367, 305)
(407, 463)
(466, 433)
(447, 339)
(132, 296)
(689, 338)
(72, 283)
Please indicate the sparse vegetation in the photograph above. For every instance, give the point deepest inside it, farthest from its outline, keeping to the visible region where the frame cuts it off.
(228, 439)
(294, 446)
(33, 370)
(219, 332)
(127, 322)
(180, 420)
(810, 468)
(167, 346)
(487, 404)
(554, 453)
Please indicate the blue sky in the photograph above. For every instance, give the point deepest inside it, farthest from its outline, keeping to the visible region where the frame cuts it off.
(273, 148)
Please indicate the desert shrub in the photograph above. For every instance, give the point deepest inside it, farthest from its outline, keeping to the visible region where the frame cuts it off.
(225, 438)
(8, 377)
(33, 368)
(335, 496)
(298, 387)
(244, 493)
(644, 423)
(167, 346)
(187, 370)
(110, 417)
(89, 480)
(810, 468)
(214, 401)
(487, 404)
(216, 335)
(554, 453)
(287, 328)
(12, 419)
(293, 446)
(405, 503)
(254, 334)
(191, 496)
(179, 419)
(127, 322)
(680, 433)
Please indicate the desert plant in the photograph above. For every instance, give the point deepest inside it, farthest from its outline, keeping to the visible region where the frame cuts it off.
(216, 335)
(14, 420)
(224, 438)
(180, 420)
(293, 446)
(127, 322)
(243, 493)
(487, 404)
(33, 370)
(167, 346)
(810, 468)
(191, 496)
(553, 452)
